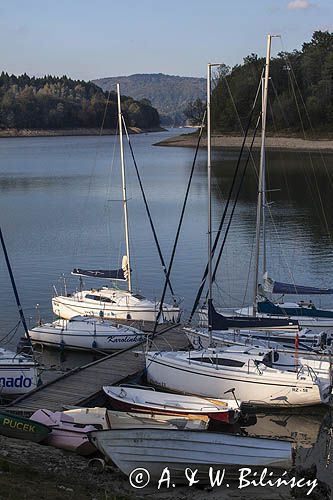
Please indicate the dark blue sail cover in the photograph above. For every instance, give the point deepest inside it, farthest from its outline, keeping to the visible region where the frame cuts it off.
(113, 274)
(272, 286)
(306, 309)
(220, 322)
(289, 288)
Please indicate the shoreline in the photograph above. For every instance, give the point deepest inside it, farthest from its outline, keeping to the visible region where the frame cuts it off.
(40, 472)
(13, 133)
(221, 141)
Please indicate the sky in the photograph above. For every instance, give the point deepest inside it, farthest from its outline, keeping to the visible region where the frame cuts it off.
(94, 39)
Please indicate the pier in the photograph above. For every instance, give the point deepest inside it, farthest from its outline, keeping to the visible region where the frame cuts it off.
(81, 385)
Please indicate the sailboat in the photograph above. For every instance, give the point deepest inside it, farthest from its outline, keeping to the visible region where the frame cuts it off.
(111, 302)
(303, 311)
(85, 333)
(259, 376)
(19, 372)
(264, 323)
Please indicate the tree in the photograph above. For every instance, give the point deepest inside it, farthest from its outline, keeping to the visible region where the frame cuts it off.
(194, 112)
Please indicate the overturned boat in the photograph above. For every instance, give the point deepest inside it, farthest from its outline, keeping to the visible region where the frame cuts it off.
(155, 449)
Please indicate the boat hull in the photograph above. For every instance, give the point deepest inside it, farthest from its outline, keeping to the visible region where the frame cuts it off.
(171, 404)
(65, 435)
(250, 388)
(67, 307)
(17, 379)
(313, 322)
(102, 336)
(14, 426)
(200, 339)
(155, 449)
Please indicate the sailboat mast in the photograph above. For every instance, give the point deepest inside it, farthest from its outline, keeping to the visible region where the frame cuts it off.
(264, 252)
(17, 298)
(209, 178)
(123, 179)
(261, 182)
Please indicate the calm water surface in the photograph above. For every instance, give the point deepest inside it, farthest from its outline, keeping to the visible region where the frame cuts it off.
(60, 208)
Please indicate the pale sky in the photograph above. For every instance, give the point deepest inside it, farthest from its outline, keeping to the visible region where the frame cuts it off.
(94, 39)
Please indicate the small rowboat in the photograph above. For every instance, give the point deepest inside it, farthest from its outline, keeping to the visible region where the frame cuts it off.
(22, 428)
(102, 418)
(69, 429)
(65, 435)
(155, 449)
(147, 400)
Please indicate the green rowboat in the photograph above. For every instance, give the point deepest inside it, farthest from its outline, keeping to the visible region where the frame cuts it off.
(22, 428)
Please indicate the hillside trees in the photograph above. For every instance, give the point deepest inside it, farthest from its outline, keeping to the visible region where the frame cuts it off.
(59, 103)
(300, 95)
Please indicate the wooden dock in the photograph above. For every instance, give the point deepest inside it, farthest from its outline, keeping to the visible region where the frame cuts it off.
(81, 385)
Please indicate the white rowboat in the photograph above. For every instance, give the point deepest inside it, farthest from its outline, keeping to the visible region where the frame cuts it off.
(155, 449)
(145, 400)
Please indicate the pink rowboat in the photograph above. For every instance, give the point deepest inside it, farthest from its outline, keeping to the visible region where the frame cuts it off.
(65, 433)
(141, 399)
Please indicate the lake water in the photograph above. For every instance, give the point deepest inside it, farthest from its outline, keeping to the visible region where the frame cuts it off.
(60, 208)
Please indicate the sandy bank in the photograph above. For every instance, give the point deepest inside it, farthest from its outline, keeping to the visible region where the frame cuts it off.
(233, 142)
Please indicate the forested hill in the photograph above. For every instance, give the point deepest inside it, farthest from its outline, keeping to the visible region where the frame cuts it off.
(300, 96)
(169, 94)
(61, 103)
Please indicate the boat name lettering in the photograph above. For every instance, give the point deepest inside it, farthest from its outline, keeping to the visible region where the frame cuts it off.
(16, 382)
(14, 424)
(127, 338)
(140, 478)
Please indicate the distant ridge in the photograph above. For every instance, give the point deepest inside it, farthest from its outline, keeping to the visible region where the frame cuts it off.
(169, 94)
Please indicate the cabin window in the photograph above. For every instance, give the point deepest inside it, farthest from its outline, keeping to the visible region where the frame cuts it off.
(221, 361)
(99, 298)
(138, 296)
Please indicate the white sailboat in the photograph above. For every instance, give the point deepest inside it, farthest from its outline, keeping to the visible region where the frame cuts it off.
(252, 326)
(258, 376)
(86, 333)
(111, 302)
(303, 311)
(305, 343)
(19, 373)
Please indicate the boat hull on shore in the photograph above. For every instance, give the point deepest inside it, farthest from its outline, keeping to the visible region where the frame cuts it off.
(154, 450)
(145, 400)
